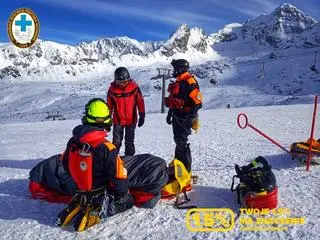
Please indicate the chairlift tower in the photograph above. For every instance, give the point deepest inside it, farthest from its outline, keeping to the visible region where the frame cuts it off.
(261, 71)
(164, 74)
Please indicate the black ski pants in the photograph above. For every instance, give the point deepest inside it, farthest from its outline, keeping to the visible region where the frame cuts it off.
(128, 131)
(181, 130)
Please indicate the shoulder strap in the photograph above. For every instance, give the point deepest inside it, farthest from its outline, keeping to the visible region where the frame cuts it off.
(109, 145)
(192, 80)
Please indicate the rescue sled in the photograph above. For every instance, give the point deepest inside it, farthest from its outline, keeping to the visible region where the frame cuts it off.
(300, 150)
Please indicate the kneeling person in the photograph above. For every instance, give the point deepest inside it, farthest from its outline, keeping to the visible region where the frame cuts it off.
(98, 171)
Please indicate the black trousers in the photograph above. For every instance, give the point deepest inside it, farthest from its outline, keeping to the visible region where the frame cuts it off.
(181, 131)
(128, 131)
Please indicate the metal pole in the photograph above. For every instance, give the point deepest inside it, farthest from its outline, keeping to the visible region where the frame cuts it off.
(312, 131)
(247, 124)
(163, 93)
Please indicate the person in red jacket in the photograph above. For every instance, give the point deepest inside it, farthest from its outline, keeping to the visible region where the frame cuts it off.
(125, 100)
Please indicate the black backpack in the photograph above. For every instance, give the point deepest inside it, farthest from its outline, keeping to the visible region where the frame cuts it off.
(256, 177)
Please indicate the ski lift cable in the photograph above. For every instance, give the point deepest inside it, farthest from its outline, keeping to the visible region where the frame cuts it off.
(241, 64)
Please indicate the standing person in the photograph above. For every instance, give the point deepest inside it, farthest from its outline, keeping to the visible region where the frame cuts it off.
(124, 100)
(183, 102)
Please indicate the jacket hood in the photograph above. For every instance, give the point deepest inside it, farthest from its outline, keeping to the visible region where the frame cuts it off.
(89, 134)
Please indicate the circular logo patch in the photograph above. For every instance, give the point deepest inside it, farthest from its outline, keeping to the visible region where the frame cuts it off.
(23, 27)
(83, 166)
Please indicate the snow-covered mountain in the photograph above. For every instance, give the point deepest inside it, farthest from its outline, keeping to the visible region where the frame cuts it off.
(264, 61)
(186, 40)
(286, 27)
(47, 59)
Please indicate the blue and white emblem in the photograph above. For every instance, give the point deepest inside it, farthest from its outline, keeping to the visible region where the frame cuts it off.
(23, 27)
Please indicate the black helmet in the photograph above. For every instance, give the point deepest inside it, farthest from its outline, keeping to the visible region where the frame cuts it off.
(179, 66)
(121, 73)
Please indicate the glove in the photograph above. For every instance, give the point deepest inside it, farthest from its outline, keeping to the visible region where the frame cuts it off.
(169, 117)
(141, 119)
(195, 124)
(124, 203)
(85, 210)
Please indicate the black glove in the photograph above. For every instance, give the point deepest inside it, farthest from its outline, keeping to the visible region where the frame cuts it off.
(169, 117)
(124, 203)
(141, 119)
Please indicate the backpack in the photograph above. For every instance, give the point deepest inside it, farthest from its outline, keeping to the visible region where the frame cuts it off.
(80, 166)
(80, 163)
(257, 187)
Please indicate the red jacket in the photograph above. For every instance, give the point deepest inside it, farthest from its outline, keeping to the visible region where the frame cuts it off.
(124, 102)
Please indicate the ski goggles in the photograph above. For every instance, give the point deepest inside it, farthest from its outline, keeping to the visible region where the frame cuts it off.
(105, 120)
(122, 82)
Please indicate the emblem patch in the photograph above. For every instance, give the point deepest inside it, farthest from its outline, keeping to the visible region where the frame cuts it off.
(83, 166)
(23, 27)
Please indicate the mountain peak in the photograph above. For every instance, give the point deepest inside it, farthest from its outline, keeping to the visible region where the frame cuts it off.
(288, 6)
(180, 31)
(289, 13)
(185, 39)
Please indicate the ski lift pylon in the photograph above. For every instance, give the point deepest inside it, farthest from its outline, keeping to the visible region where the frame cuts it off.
(261, 71)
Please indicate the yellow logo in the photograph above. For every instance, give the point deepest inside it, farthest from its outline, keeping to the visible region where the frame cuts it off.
(23, 28)
(210, 220)
(223, 219)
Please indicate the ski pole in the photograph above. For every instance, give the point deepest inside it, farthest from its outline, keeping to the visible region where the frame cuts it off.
(312, 131)
(247, 124)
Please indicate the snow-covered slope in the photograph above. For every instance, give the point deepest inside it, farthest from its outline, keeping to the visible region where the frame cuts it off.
(216, 148)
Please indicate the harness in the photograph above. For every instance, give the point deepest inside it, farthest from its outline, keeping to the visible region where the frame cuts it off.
(126, 94)
(175, 100)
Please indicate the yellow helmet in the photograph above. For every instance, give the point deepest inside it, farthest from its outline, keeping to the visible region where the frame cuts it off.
(97, 113)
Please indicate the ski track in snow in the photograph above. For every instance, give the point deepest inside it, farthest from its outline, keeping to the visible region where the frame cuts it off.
(218, 145)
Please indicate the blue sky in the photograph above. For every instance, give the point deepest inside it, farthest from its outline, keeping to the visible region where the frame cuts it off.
(73, 21)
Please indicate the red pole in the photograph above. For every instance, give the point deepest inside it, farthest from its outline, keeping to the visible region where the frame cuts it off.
(312, 131)
(261, 133)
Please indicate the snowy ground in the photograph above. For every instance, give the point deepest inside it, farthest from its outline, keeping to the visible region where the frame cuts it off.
(216, 148)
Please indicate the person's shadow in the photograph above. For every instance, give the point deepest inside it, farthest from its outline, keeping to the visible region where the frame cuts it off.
(284, 161)
(212, 197)
(16, 201)
(24, 164)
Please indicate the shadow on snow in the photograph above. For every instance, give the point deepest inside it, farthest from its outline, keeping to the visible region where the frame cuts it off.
(16, 203)
(20, 164)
